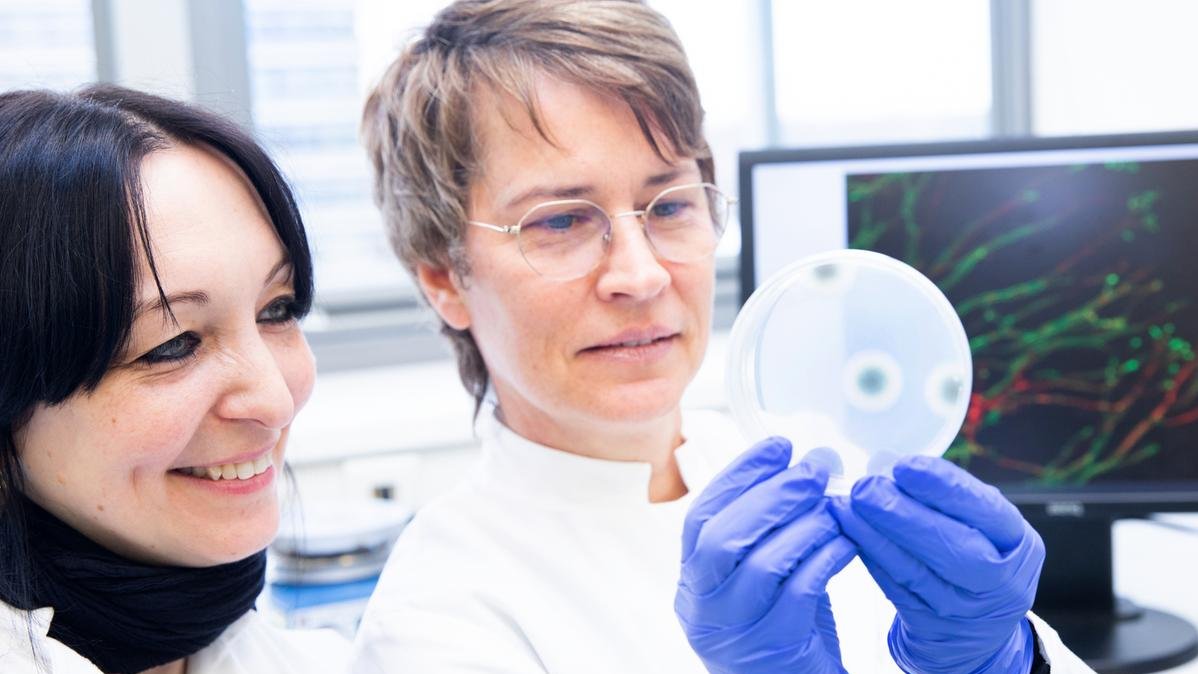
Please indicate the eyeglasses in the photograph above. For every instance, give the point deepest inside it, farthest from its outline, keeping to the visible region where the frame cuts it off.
(565, 240)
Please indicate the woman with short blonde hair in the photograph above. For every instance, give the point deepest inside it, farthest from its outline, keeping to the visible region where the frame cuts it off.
(543, 175)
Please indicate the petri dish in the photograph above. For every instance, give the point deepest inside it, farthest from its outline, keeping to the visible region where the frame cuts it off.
(856, 358)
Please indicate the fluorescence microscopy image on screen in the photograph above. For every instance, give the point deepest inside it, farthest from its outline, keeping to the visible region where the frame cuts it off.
(1077, 286)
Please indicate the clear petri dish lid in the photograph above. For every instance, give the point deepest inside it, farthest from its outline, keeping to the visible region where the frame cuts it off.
(856, 358)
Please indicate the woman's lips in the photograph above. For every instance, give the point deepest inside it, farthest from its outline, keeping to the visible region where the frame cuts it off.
(230, 486)
(635, 337)
(635, 350)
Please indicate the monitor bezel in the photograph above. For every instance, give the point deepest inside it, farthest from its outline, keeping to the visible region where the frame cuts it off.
(1094, 501)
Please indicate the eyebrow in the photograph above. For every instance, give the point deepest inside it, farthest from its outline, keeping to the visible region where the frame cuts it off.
(199, 296)
(156, 304)
(665, 178)
(560, 192)
(578, 191)
(283, 263)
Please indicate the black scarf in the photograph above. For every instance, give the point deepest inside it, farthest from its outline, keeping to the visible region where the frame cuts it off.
(126, 616)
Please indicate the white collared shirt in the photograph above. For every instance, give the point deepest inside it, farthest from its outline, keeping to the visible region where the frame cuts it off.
(544, 561)
(249, 646)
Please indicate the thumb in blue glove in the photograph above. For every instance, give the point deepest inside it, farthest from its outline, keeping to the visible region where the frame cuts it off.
(958, 561)
(759, 547)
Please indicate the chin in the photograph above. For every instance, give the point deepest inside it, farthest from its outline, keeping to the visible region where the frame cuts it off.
(235, 543)
(640, 402)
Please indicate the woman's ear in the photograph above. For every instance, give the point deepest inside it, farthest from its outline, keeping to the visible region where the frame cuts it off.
(440, 287)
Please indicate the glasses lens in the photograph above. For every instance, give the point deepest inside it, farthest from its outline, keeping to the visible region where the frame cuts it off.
(685, 223)
(563, 240)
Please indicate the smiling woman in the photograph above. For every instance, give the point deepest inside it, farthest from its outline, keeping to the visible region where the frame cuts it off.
(154, 271)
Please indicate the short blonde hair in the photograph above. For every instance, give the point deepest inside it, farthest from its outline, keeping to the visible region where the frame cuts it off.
(419, 129)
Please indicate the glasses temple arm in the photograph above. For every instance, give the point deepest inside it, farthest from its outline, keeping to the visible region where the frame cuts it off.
(503, 229)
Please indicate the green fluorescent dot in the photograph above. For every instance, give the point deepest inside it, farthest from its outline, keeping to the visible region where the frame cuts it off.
(1135, 342)
(1112, 279)
(1170, 328)
(991, 315)
(1122, 166)
(1031, 195)
(1155, 332)
(1143, 201)
(1128, 236)
(1174, 368)
(993, 416)
(1131, 365)
(1178, 344)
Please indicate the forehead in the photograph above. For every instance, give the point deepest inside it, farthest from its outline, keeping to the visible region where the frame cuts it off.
(579, 125)
(205, 221)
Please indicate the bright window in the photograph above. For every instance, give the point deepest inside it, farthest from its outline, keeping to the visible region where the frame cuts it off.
(311, 66)
(46, 44)
(1109, 66)
(869, 71)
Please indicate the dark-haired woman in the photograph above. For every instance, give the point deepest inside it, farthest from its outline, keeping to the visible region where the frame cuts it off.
(153, 268)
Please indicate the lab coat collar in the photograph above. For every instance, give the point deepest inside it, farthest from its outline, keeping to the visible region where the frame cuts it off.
(18, 621)
(517, 465)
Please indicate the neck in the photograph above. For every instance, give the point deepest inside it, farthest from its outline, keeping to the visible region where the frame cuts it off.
(665, 483)
(651, 441)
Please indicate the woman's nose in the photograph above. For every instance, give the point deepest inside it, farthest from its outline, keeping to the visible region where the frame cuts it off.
(631, 269)
(258, 389)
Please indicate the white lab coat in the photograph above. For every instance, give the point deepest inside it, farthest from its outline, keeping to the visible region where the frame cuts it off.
(249, 646)
(544, 561)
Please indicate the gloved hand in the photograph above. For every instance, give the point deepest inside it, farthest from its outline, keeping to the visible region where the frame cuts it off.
(758, 548)
(957, 560)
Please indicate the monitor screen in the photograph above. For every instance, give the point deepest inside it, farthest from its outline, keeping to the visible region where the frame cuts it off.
(1073, 264)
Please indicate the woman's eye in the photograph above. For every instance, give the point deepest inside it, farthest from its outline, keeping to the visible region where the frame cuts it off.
(282, 310)
(175, 349)
(669, 209)
(559, 222)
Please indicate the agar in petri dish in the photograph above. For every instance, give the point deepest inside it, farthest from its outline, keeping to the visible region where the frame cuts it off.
(856, 358)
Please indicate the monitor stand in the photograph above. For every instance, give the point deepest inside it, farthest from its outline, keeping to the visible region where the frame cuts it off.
(1076, 597)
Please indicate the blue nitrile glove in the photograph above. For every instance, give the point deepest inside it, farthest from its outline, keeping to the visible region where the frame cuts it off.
(957, 560)
(758, 548)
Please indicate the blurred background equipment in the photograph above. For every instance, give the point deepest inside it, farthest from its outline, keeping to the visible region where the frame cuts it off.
(327, 558)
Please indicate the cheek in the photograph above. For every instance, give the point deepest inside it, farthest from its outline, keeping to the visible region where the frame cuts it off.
(531, 326)
(697, 287)
(147, 432)
(298, 366)
(93, 449)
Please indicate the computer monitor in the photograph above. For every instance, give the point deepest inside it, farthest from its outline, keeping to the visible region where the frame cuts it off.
(1073, 263)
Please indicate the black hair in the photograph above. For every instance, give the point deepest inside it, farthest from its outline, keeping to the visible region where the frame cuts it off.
(72, 231)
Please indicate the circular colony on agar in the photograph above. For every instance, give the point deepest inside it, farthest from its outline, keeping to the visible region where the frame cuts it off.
(856, 358)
